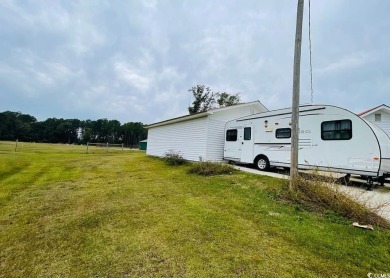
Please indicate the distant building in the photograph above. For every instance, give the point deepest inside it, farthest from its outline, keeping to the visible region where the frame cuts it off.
(379, 115)
(198, 137)
(143, 145)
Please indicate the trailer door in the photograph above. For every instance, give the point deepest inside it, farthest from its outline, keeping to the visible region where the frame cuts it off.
(246, 141)
(232, 148)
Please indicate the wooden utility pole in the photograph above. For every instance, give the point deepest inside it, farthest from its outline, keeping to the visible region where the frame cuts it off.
(295, 97)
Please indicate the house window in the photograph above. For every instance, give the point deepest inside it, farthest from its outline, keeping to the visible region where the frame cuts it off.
(231, 135)
(378, 117)
(336, 130)
(247, 133)
(283, 133)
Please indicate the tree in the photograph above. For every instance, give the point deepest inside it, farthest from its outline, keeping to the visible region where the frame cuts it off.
(63, 132)
(132, 133)
(49, 130)
(67, 131)
(15, 125)
(86, 136)
(225, 99)
(113, 131)
(204, 99)
(24, 127)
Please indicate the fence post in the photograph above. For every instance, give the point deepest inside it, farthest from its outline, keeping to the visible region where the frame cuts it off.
(87, 146)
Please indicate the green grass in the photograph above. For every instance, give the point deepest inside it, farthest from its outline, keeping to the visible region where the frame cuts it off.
(123, 214)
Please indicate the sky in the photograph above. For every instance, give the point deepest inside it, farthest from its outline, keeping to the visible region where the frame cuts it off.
(135, 60)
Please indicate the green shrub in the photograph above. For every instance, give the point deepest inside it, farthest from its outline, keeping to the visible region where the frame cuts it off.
(211, 169)
(172, 157)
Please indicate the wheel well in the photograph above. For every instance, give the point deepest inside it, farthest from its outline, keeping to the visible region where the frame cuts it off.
(260, 156)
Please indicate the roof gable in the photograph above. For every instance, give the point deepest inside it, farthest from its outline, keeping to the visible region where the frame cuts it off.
(374, 109)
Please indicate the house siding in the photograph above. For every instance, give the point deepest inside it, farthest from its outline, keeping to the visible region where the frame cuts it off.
(188, 138)
(197, 137)
(384, 124)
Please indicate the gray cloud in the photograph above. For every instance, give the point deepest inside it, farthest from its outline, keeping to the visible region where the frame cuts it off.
(136, 60)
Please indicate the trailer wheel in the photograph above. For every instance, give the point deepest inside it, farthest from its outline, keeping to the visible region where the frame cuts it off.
(262, 163)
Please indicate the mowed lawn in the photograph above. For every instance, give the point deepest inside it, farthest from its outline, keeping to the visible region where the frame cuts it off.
(122, 214)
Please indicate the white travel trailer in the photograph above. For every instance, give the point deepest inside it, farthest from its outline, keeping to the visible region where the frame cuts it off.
(330, 139)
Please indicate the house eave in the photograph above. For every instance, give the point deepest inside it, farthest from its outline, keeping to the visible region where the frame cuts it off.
(179, 119)
(205, 114)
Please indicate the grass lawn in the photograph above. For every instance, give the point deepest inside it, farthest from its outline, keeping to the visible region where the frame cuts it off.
(123, 214)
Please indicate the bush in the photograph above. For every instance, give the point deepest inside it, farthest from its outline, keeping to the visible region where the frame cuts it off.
(211, 169)
(172, 157)
(323, 195)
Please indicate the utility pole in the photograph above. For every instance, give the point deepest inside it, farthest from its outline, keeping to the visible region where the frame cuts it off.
(295, 97)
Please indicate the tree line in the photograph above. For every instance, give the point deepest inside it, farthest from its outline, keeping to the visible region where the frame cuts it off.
(26, 128)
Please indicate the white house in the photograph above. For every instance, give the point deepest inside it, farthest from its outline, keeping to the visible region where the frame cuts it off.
(198, 137)
(380, 116)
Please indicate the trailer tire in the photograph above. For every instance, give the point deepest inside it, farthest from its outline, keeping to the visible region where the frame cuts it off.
(262, 163)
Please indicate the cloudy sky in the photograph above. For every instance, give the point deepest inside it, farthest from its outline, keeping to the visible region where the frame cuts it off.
(135, 60)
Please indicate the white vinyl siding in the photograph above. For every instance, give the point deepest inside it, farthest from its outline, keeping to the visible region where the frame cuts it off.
(188, 138)
(197, 138)
(384, 123)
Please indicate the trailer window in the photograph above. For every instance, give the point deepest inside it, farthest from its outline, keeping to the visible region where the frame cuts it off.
(283, 133)
(231, 135)
(247, 133)
(336, 130)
